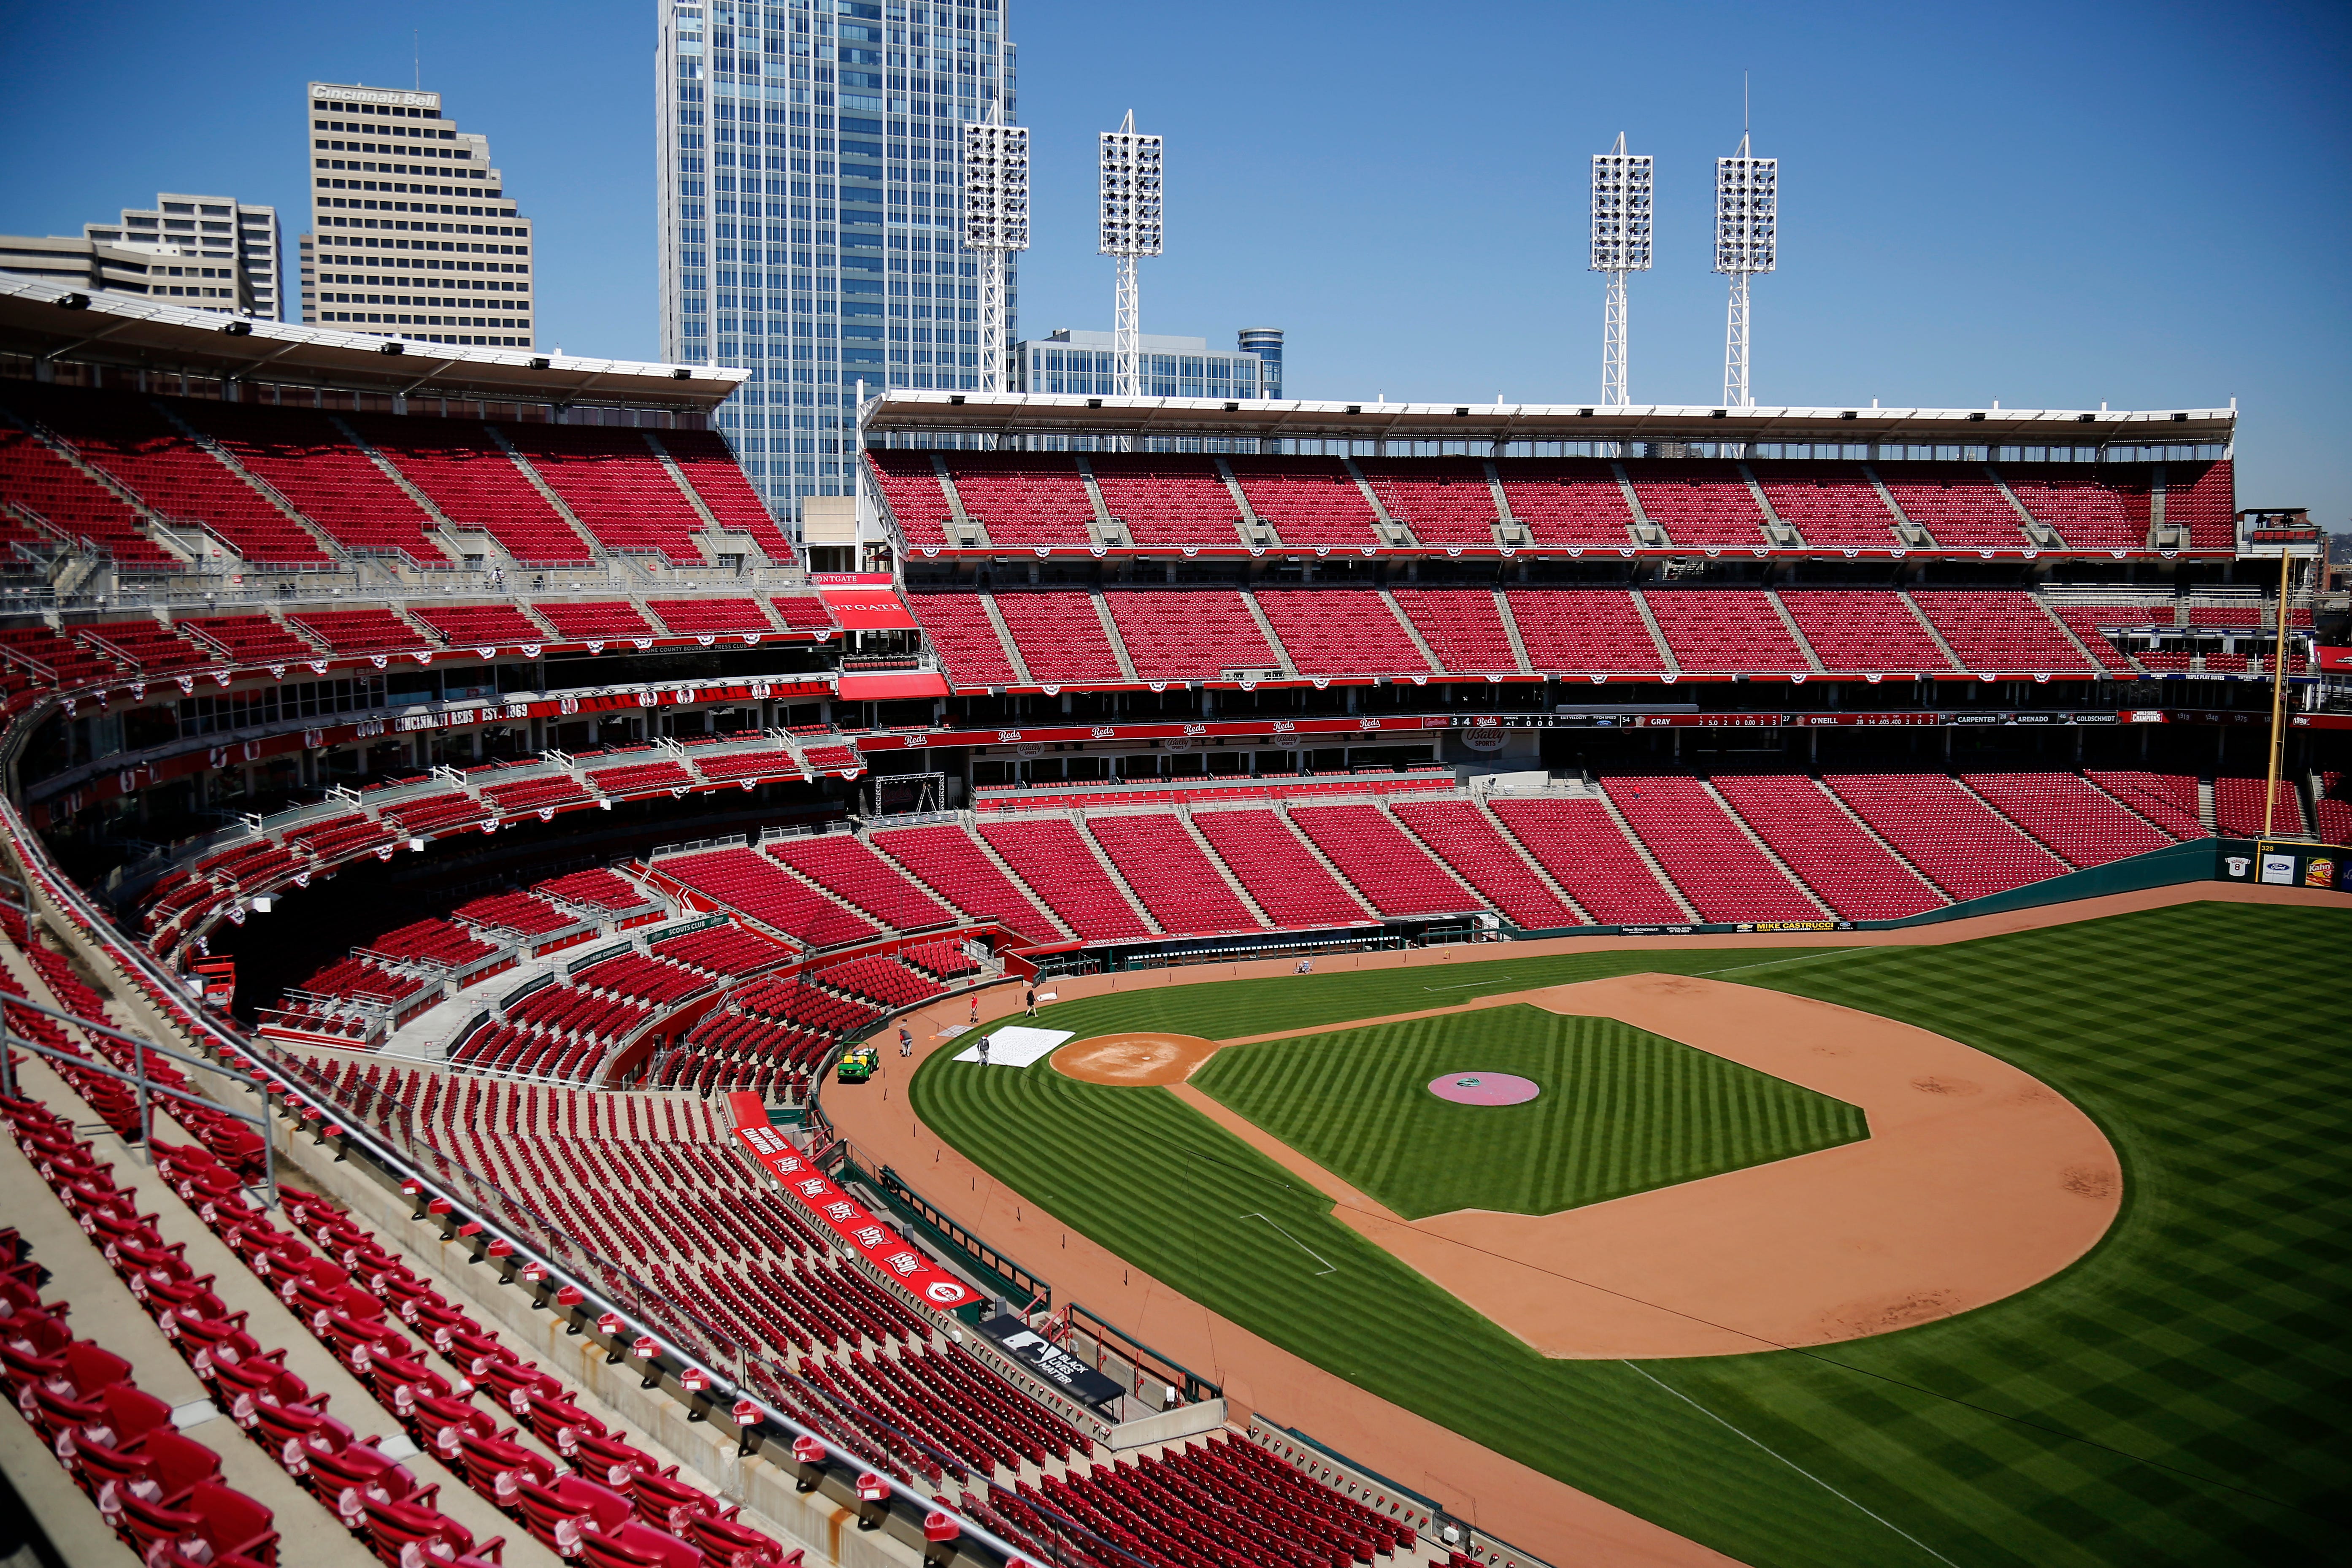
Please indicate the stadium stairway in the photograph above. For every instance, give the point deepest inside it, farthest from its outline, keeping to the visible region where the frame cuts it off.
(106, 1312)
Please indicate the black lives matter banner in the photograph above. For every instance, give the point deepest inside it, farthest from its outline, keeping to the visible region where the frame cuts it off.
(1050, 1361)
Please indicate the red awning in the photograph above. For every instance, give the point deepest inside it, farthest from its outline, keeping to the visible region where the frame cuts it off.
(866, 609)
(883, 684)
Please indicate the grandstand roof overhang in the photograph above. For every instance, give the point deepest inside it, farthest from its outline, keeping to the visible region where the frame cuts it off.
(1034, 414)
(46, 321)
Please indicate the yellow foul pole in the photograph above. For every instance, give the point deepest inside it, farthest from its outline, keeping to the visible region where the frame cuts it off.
(2278, 696)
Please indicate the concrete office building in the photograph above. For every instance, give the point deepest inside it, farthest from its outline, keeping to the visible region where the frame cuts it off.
(97, 266)
(413, 235)
(229, 252)
(1079, 363)
(810, 188)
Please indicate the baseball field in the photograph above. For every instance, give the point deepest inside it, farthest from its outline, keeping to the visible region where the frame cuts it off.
(2177, 1394)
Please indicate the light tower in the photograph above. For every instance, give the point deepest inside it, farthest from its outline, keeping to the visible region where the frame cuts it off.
(995, 224)
(1621, 243)
(1130, 228)
(1746, 218)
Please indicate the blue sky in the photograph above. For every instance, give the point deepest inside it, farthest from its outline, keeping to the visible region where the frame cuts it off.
(2046, 206)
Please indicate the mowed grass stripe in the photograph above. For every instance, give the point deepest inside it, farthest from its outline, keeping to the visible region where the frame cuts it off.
(1161, 1185)
(1621, 1110)
(2203, 1333)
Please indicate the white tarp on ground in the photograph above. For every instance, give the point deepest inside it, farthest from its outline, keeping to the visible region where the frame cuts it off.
(1015, 1046)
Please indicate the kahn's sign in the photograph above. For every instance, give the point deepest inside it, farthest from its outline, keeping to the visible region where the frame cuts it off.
(1050, 1361)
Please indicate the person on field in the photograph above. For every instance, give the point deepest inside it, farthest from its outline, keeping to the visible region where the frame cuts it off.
(975, 1006)
(1306, 966)
(984, 1050)
(1030, 998)
(905, 1042)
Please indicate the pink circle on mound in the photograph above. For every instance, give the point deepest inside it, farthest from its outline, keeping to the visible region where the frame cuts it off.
(1485, 1089)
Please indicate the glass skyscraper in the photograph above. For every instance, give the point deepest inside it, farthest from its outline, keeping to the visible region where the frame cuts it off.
(811, 169)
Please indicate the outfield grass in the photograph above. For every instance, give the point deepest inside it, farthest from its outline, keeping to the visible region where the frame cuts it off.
(2177, 1397)
(1622, 1110)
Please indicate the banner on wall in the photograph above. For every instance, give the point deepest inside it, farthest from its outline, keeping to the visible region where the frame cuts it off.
(845, 1216)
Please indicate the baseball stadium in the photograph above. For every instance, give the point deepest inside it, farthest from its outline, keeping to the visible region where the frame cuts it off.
(1224, 982)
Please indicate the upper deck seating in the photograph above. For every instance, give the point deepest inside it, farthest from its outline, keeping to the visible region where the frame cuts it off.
(1395, 874)
(72, 503)
(1167, 872)
(1311, 502)
(1444, 501)
(1060, 637)
(475, 484)
(1702, 849)
(1024, 499)
(1712, 630)
(2002, 631)
(1575, 839)
(1287, 880)
(711, 472)
(1577, 632)
(2089, 512)
(1956, 503)
(1195, 634)
(1168, 500)
(1863, 631)
(1833, 505)
(2204, 498)
(616, 487)
(1462, 628)
(1053, 860)
(1564, 502)
(1849, 870)
(1699, 503)
(309, 461)
(1465, 840)
(957, 627)
(1340, 631)
(151, 457)
(910, 486)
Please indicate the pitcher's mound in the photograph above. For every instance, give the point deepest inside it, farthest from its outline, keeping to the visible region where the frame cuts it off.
(1133, 1061)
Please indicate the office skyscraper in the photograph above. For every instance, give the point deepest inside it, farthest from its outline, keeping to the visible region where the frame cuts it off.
(810, 209)
(231, 251)
(411, 232)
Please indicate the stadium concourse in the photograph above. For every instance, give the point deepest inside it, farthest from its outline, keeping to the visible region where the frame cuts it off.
(450, 759)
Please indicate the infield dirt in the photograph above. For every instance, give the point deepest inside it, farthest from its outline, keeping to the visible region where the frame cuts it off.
(1517, 1503)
